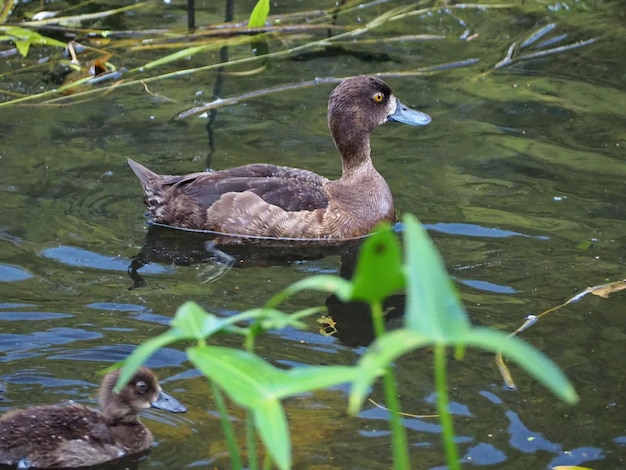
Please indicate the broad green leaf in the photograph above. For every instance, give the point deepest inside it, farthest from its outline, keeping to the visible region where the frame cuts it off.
(532, 360)
(271, 424)
(141, 354)
(259, 14)
(433, 307)
(381, 353)
(378, 272)
(305, 379)
(386, 349)
(323, 282)
(243, 376)
(249, 380)
(195, 322)
(258, 386)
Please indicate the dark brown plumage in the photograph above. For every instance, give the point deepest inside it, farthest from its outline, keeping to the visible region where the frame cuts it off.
(281, 202)
(66, 436)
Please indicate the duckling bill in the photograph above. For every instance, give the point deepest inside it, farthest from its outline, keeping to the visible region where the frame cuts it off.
(68, 436)
(264, 200)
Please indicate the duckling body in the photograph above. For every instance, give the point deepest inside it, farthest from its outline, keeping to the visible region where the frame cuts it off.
(280, 202)
(67, 436)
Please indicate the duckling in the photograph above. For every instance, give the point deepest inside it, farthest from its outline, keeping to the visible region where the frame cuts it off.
(67, 436)
(264, 200)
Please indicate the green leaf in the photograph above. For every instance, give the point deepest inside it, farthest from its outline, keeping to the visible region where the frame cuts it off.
(195, 322)
(272, 319)
(259, 14)
(249, 380)
(381, 353)
(323, 282)
(141, 354)
(433, 307)
(242, 375)
(271, 424)
(178, 55)
(23, 38)
(532, 360)
(255, 384)
(378, 272)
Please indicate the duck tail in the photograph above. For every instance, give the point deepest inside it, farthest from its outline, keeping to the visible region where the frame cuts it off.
(146, 177)
(151, 184)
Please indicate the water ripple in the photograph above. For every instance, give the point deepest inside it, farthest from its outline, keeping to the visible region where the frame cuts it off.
(82, 258)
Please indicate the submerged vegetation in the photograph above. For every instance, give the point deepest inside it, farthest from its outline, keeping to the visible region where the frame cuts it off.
(82, 59)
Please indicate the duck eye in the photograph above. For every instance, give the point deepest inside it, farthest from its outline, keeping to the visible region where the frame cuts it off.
(378, 97)
(142, 386)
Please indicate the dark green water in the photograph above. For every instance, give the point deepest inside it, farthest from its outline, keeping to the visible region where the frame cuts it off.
(520, 179)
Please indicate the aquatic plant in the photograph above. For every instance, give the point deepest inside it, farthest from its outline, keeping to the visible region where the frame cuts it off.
(434, 317)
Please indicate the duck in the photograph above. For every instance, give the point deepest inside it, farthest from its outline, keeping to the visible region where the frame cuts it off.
(73, 435)
(272, 201)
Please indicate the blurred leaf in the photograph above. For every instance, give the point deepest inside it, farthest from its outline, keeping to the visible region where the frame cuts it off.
(259, 14)
(258, 386)
(271, 424)
(140, 355)
(378, 272)
(179, 55)
(272, 319)
(434, 315)
(532, 360)
(195, 322)
(433, 307)
(382, 352)
(250, 380)
(23, 38)
(323, 282)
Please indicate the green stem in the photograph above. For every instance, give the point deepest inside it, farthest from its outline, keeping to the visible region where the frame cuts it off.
(227, 427)
(445, 418)
(253, 463)
(398, 434)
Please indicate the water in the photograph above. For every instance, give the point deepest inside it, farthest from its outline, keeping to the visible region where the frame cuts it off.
(519, 179)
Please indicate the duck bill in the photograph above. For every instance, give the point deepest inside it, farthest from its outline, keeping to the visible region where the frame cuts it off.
(409, 116)
(168, 403)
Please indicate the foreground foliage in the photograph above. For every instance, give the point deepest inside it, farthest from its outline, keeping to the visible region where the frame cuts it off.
(434, 317)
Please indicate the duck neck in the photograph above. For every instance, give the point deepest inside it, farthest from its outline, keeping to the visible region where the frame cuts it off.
(118, 415)
(355, 154)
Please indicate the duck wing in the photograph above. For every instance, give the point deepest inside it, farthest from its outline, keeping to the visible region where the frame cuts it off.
(291, 189)
(57, 436)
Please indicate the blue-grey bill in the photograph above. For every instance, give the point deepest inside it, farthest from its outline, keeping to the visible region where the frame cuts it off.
(168, 403)
(409, 116)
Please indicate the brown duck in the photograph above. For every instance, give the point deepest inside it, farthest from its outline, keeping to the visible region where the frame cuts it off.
(281, 202)
(66, 436)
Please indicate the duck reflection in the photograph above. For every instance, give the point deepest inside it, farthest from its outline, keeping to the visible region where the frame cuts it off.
(350, 322)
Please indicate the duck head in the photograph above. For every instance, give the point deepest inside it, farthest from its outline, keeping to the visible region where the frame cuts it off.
(359, 105)
(142, 391)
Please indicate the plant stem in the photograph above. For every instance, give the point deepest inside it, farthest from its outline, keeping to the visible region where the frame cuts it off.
(445, 418)
(398, 434)
(227, 427)
(253, 463)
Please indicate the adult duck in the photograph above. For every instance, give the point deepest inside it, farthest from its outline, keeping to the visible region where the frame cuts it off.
(67, 436)
(263, 200)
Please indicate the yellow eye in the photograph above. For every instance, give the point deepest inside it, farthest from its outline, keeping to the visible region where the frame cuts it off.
(378, 97)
